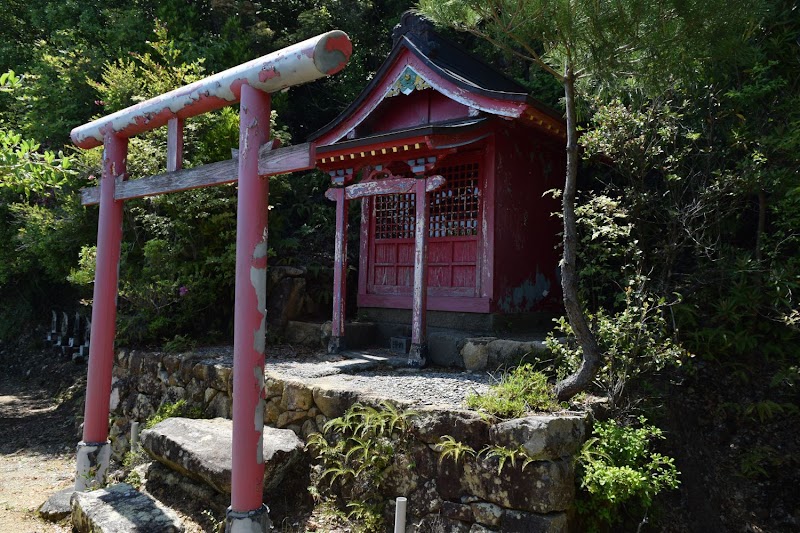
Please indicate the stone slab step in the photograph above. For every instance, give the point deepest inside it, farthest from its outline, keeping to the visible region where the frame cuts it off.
(121, 509)
(201, 449)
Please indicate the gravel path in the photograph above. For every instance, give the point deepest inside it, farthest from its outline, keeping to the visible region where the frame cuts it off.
(375, 374)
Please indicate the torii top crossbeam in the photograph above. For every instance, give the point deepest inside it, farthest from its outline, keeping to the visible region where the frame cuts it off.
(250, 85)
(309, 60)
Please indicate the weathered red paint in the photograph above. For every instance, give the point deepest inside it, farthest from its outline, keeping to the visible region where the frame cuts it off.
(388, 186)
(104, 307)
(515, 271)
(341, 195)
(249, 83)
(300, 63)
(525, 230)
(342, 45)
(364, 247)
(339, 264)
(174, 144)
(389, 268)
(486, 258)
(267, 74)
(250, 306)
(420, 300)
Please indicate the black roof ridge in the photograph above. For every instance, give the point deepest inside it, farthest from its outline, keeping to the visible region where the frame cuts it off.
(421, 32)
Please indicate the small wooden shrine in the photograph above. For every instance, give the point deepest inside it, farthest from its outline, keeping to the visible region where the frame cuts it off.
(438, 122)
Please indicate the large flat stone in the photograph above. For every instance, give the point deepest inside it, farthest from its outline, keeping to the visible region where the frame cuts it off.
(539, 487)
(469, 427)
(160, 479)
(121, 509)
(504, 351)
(201, 449)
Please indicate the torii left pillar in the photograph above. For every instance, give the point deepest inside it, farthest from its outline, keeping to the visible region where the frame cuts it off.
(94, 451)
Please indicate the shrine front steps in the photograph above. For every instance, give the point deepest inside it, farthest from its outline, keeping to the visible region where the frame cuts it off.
(192, 464)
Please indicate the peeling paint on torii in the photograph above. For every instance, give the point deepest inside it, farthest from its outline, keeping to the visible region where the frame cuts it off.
(314, 58)
(249, 84)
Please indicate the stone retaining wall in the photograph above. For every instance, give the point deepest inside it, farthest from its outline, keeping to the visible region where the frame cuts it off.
(468, 496)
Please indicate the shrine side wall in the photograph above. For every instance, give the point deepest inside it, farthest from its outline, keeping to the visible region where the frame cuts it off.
(526, 232)
(468, 495)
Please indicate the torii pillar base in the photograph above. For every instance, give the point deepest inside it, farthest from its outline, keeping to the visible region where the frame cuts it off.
(248, 522)
(93, 461)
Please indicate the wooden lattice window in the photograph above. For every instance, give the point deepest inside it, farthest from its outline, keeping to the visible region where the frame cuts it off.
(394, 216)
(454, 209)
(452, 229)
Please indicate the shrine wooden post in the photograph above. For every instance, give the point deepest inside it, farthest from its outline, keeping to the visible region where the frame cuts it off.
(336, 344)
(418, 354)
(249, 84)
(421, 186)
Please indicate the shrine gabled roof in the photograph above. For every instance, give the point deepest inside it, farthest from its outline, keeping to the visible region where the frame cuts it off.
(444, 66)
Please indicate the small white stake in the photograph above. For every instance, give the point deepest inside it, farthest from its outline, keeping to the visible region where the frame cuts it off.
(134, 437)
(400, 515)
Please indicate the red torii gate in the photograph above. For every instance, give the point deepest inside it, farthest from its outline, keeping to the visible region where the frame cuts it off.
(249, 84)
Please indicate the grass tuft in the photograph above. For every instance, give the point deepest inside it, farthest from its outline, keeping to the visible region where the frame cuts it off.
(519, 391)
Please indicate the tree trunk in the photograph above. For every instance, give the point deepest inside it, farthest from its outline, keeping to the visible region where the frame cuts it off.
(580, 380)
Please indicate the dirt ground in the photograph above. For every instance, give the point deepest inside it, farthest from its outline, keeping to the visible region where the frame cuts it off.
(41, 402)
(37, 436)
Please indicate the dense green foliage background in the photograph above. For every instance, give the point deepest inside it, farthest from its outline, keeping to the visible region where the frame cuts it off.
(72, 61)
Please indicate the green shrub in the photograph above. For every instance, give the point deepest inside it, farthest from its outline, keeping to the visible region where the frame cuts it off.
(171, 410)
(359, 451)
(519, 391)
(636, 342)
(620, 474)
(180, 343)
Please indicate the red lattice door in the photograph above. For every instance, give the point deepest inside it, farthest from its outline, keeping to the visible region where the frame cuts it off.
(453, 229)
